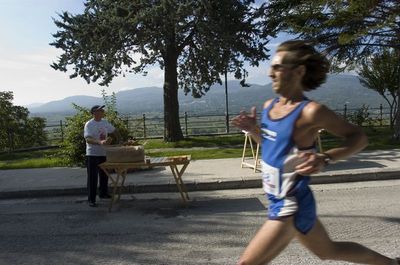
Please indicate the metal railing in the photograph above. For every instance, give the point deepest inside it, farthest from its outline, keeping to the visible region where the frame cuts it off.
(147, 126)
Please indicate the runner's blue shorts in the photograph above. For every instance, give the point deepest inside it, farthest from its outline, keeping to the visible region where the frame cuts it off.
(299, 203)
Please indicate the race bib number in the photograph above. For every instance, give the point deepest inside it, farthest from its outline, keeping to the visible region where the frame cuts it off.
(270, 179)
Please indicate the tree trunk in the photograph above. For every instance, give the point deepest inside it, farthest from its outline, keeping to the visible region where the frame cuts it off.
(172, 126)
(396, 134)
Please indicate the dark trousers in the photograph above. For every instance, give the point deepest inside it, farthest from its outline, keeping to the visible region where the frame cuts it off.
(94, 172)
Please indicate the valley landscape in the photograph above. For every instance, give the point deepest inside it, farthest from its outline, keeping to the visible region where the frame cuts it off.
(337, 91)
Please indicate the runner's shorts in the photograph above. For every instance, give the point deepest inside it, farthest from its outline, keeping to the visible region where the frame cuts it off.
(299, 203)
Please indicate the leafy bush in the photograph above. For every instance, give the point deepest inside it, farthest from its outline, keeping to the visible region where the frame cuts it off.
(34, 132)
(17, 129)
(74, 144)
(361, 117)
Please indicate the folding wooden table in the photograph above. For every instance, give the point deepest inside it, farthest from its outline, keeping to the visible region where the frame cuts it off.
(254, 162)
(117, 172)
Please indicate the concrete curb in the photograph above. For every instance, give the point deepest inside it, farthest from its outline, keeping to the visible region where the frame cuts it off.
(354, 176)
(322, 178)
(50, 192)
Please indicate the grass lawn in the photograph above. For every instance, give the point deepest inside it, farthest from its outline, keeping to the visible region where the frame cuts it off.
(200, 147)
(379, 139)
(199, 141)
(31, 159)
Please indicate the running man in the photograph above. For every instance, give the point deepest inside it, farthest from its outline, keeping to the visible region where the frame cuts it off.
(288, 130)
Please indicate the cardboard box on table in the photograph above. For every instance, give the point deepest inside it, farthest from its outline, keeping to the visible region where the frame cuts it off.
(126, 154)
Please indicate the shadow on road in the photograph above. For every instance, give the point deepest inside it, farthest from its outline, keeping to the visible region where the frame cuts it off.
(169, 208)
(384, 218)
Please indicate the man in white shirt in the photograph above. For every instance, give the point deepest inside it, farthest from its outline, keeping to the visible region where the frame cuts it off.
(96, 133)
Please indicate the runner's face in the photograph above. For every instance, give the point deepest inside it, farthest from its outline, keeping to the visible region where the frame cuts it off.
(282, 75)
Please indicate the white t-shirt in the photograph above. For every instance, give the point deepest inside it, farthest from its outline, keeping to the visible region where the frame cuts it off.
(98, 130)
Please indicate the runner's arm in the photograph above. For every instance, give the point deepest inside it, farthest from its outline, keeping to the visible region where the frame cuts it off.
(354, 139)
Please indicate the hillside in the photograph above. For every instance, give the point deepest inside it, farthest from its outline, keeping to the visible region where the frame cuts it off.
(338, 90)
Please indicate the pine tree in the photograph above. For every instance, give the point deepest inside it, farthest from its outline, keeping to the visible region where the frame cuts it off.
(192, 41)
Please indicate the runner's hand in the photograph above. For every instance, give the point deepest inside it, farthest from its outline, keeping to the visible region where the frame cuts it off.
(245, 121)
(314, 163)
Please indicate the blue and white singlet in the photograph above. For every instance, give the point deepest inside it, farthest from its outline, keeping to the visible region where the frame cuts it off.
(288, 193)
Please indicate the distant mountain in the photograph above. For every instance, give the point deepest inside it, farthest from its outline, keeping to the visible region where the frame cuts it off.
(338, 90)
(65, 105)
(33, 105)
(346, 89)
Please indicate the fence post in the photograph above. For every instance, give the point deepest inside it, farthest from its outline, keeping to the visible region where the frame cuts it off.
(226, 122)
(186, 127)
(144, 126)
(381, 114)
(62, 131)
(345, 112)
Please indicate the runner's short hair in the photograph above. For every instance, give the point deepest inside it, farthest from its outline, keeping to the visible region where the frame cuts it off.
(303, 53)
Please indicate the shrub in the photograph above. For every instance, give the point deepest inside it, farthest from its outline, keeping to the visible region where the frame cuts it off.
(74, 144)
(17, 129)
(361, 117)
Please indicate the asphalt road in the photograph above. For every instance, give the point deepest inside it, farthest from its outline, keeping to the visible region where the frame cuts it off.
(156, 229)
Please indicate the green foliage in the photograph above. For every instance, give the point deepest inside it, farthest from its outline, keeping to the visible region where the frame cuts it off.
(113, 117)
(361, 117)
(35, 132)
(74, 144)
(102, 41)
(382, 74)
(17, 130)
(346, 30)
(194, 42)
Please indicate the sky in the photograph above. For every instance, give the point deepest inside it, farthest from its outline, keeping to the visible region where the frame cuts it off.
(26, 28)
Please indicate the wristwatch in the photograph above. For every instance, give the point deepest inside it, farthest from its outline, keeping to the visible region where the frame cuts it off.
(327, 159)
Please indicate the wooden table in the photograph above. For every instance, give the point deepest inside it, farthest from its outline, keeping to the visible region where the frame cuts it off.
(117, 172)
